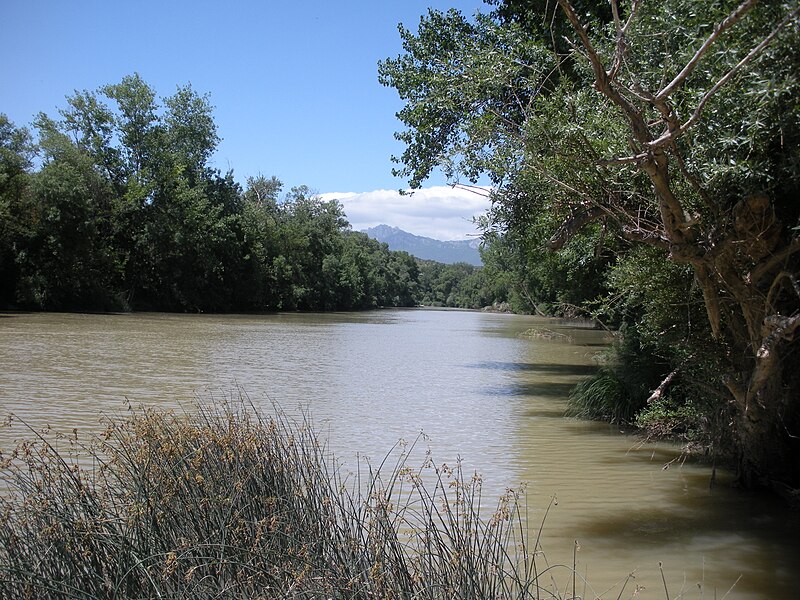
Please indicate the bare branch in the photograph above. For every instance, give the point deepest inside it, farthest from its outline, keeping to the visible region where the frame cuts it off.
(622, 46)
(636, 159)
(662, 387)
(776, 284)
(779, 329)
(584, 37)
(774, 261)
(726, 24)
(602, 81)
(634, 7)
(475, 189)
(557, 182)
(652, 238)
(620, 49)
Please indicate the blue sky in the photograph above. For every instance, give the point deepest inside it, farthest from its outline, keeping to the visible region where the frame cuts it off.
(294, 84)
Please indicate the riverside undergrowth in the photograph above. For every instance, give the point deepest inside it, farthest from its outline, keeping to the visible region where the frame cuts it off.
(226, 501)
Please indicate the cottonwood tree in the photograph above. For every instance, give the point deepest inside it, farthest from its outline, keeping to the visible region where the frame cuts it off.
(676, 125)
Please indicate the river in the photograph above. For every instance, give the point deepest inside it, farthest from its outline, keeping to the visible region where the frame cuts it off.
(474, 383)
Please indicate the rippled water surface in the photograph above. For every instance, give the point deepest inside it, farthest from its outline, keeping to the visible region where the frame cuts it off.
(475, 385)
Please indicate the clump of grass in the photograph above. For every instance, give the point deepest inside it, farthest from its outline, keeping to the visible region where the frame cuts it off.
(601, 397)
(628, 374)
(546, 335)
(231, 503)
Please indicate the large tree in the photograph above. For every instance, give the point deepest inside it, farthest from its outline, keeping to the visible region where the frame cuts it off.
(674, 124)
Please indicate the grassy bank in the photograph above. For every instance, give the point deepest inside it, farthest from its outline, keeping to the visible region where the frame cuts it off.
(231, 503)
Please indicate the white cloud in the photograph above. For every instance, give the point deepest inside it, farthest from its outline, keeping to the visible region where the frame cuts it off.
(441, 212)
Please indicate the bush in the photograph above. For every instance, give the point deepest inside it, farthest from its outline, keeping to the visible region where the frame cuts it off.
(602, 397)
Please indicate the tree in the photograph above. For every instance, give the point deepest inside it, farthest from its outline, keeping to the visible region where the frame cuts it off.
(676, 126)
(125, 212)
(67, 258)
(16, 154)
(191, 131)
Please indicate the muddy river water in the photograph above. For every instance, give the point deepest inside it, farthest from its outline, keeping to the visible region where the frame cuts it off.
(474, 383)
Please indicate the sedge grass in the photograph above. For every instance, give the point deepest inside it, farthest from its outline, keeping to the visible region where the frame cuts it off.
(228, 502)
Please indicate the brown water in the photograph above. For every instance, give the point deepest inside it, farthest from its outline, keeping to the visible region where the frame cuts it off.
(477, 388)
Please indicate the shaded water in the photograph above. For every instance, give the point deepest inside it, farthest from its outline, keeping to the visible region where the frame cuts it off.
(478, 389)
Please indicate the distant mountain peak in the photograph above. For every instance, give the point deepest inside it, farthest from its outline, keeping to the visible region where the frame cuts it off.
(427, 248)
(383, 229)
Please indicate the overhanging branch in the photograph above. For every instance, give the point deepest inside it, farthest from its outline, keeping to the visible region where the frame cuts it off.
(573, 225)
(726, 24)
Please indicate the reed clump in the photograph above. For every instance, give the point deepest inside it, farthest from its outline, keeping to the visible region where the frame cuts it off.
(548, 335)
(228, 502)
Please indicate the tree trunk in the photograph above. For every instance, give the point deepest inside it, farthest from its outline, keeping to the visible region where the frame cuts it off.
(765, 418)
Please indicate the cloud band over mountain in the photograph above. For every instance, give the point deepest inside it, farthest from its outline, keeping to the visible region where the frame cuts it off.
(441, 212)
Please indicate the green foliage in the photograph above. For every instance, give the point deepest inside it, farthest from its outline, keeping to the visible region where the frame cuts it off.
(126, 213)
(66, 258)
(659, 294)
(16, 153)
(680, 419)
(459, 285)
(657, 153)
(563, 283)
(464, 84)
(618, 391)
(602, 397)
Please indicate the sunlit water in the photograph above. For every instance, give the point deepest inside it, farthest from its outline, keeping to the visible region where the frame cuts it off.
(477, 387)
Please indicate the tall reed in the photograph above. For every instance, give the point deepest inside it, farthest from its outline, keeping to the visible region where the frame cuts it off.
(228, 502)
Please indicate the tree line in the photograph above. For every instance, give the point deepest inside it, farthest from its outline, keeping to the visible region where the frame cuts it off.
(645, 158)
(113, 206)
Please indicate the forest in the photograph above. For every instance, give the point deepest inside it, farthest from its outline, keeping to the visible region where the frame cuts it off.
(112, 206)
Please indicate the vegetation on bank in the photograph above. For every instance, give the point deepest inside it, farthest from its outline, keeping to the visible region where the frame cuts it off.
(230, 503)
(458, 285)
(113, 206)
(645, 158)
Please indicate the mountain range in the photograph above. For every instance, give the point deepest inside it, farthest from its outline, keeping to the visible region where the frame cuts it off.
(427, 248)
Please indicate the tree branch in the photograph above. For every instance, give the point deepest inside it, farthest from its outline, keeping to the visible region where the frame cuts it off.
(662, 387)
(602, 80)
(622, 46)
(572, 225)
(554, 180)
(625, 160)
(778, 329)
(777, 282)
(648, 237)
(774, 261)
(726, 24)
(656, 164)
(672, 135)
